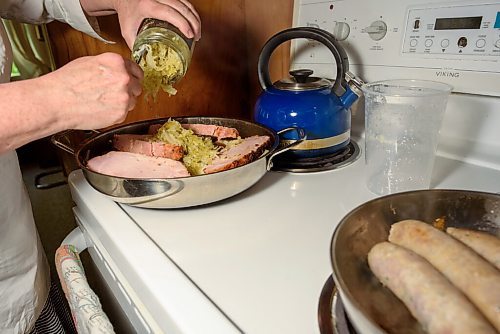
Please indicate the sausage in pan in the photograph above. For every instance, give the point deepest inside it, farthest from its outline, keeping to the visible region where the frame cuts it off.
(485, 244)
(438, 305)
(469, 272)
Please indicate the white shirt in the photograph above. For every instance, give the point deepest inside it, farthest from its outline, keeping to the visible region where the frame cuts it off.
(24, 272)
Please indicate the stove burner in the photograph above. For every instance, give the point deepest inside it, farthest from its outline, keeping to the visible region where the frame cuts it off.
(341, 322)
(332, 317)
(345, 157)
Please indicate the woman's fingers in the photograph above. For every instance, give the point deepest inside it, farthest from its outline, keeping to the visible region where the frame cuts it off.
(136, 77)
(180, 15)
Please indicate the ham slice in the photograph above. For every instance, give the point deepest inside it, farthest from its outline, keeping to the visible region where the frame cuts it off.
(153, 129)
(247, 151)
(219, 132)
(134, 165)
(143, 144)
(216, 131)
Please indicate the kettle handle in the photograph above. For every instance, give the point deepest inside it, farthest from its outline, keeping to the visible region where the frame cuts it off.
(317, 34)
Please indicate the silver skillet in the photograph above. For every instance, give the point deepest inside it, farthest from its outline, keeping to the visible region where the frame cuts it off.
(176, 192)
(370, 307)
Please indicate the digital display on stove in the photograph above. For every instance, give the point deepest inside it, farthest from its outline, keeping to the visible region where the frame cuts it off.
(452, 23)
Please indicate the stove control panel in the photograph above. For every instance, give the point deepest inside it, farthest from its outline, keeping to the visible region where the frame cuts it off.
(454, 41)
(455, 30)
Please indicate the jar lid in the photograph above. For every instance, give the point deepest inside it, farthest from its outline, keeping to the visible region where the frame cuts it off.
(301, 81)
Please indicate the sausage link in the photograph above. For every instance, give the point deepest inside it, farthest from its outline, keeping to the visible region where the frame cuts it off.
(437, 305)
(469, 272)
(485, 244)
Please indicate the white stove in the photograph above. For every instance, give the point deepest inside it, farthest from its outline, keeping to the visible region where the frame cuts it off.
(257, 262)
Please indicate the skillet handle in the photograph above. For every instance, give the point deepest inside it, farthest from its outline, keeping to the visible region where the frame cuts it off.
(62, 140)
(136, 192)
(302, 136)
(58, 138)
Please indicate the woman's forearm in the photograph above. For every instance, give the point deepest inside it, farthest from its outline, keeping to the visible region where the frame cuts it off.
(87, 93)
(27, 114)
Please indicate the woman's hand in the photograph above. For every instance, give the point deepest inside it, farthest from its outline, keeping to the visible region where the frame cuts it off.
(131, 13)
(87, 93)
(94, 92)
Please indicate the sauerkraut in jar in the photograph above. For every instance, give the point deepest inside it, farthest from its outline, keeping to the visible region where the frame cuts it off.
(163, 53)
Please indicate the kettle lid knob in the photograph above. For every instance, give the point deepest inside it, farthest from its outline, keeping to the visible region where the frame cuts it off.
(301, 75)
(301, 81)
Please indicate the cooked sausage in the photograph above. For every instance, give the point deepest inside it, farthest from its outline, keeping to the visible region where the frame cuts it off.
(437, 305)
(485, 244)
(469, 272)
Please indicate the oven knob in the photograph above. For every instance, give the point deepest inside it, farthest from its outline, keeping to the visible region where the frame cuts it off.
(462, 42)
(341, 30)
(497, 44)
(376, 30)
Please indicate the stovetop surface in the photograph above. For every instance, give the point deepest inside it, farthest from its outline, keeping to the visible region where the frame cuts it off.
(262, 256)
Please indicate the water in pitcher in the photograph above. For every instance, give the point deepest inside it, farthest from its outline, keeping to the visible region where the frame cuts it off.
(402, 121)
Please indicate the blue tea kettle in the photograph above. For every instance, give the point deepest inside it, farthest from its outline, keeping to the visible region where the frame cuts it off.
(319, 106)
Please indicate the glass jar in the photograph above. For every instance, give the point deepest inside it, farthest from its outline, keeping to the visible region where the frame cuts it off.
(156, 32)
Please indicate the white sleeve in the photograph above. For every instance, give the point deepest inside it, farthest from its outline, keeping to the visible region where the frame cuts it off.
(43, 11)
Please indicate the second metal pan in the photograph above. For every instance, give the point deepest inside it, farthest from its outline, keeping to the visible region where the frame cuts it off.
(371, 307)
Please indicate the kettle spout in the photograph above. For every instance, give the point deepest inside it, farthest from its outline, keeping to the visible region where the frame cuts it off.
(348, 98)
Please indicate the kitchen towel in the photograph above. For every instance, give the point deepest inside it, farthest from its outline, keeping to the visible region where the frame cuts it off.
(85, 307)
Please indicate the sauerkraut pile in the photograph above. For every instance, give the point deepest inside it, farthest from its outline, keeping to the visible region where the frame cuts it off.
(199, 151)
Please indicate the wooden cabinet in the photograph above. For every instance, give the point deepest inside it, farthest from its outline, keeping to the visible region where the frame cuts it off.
(222, 78)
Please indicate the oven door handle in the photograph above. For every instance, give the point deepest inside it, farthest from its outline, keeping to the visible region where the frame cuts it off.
(76, 239)
(84, 303)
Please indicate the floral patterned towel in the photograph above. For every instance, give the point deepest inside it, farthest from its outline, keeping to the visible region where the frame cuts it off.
(85, 307)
